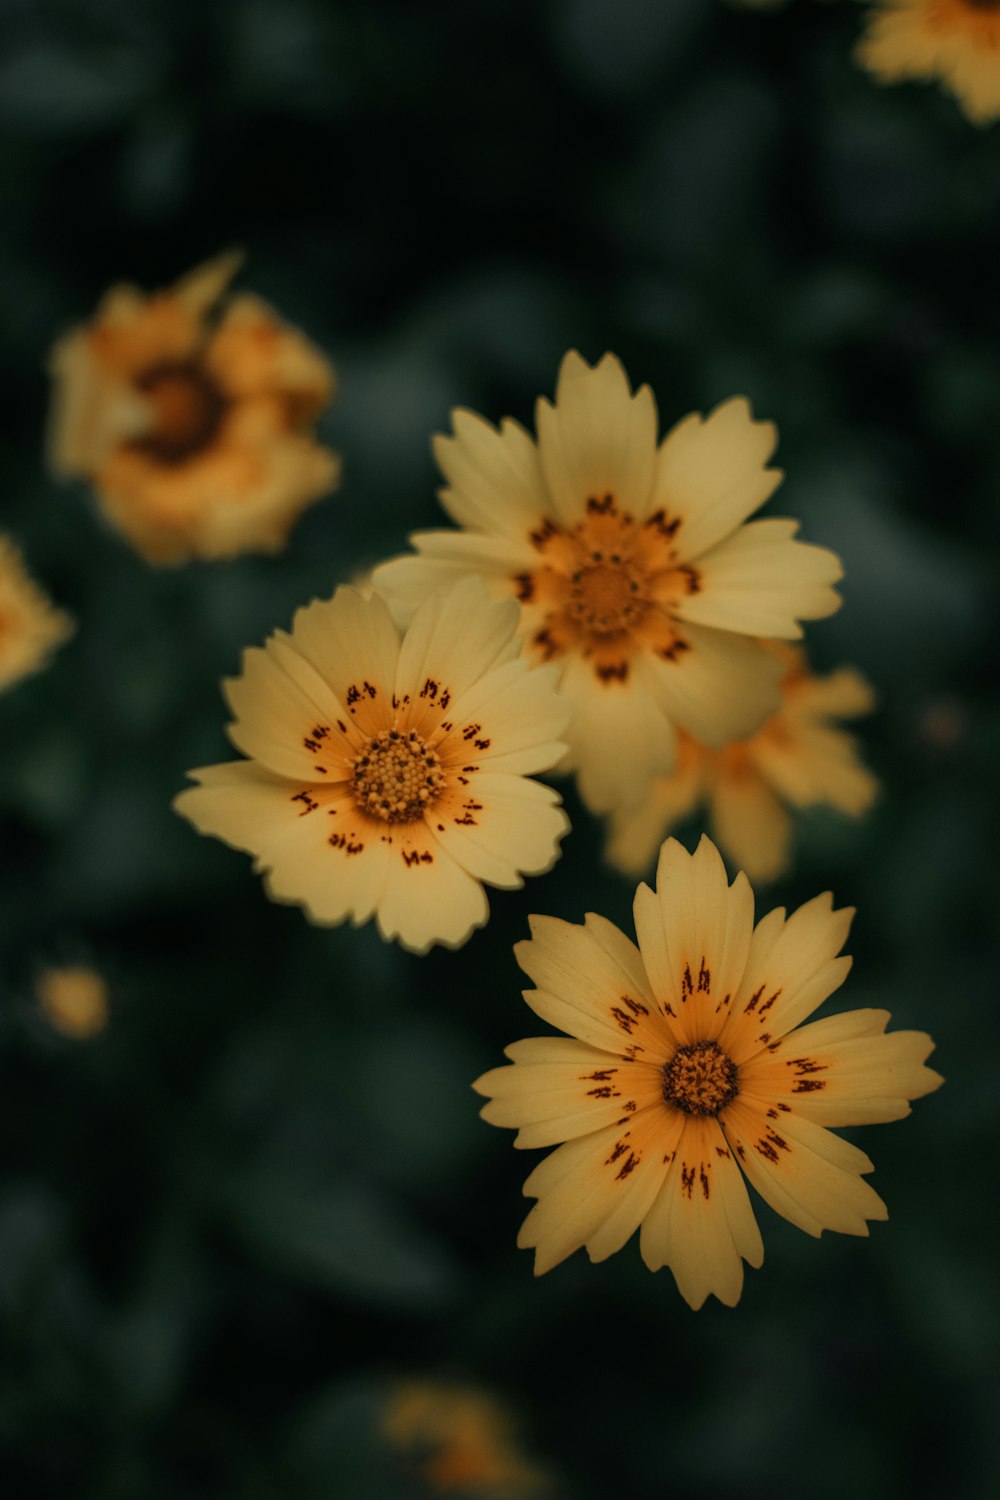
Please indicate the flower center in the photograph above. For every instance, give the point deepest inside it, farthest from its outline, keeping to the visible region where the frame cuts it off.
(607, 597)
(397, 777)
(187, 408)
(700, 1079)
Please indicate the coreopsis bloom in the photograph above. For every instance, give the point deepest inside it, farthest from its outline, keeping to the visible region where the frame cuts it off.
(800, 758)
(686, 1066)
(954, 41)
(30, 626)
(192, 415)
(73, 1000)
(388, 776)
(637, 571)
(460, 1441)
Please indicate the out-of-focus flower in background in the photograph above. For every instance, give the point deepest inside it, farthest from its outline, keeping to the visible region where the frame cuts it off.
(685, 1055)
(956, 42)
(74, 1000)
(193, 416)
(636, 567)
(800, 758)
(389, 777)
(459, 1441)
(30, 625)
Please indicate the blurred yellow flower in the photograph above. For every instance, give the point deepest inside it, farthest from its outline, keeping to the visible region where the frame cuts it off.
(686, 1056)
(954, 41)
(74, 1001)
(460, 1440)
(30, 625)
(193, 418)
(389, 777)
(636, 568)
(799, 758)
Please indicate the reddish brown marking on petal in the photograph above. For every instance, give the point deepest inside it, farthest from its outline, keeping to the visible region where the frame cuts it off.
(466, 821)
(346, 842)
(604, 1091)
(605, 506)
(754, 1000)
(703, 1179)
(430, 689)
(600, 1076)
(413, 857)
(724, 1001)
(769, 1002)
(632, 1052)
(687, 1179)
(542, 534)
(341, 726)
(659, 523)
(692, 578)
(626, 1023)
(620, 1147)
(704, 978)
(470, 768)
(721, 1151)
(310, 803)
(741, 1152)
(669, 1157)
(546, 643)
(808, 1085)
(470, 731)
(629, 1107)
(353, 696)
(635, 1006)
(786, 1107)
(687, 983)
(524, 587)
(616, 672)
(627, 1167)
(676, 648)
(766, 1149)
(668, 1009)
(807, 1065)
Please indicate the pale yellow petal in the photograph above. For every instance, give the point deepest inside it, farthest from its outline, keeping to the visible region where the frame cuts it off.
(598, 439)
(750, 825)
(494, 477)
(701, 1224)
(694, 935)
(512, 720)
(280, 723)
(618, 735)
(553, 1101)
(587, 990)
(760, 581)
(352, 643)
(635, 834)
(843, 1070)
(816, 763)
(711, 474)
(501, 828)
(428, 898)
(721, 688)
(456, 638)
(807, 1175)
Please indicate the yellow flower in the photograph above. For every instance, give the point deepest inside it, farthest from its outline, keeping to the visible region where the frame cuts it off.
(955, 41)
(74, 1001)
(687, 1056)
(799, 758)
(634, 566)
(389, 777)
(461, 1440)
(193, 420)
(30, 626)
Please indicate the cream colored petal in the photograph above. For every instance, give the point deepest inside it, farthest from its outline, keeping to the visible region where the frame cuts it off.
(701, 1224)
(599, 439)
(974, 77)
(501, 828)
(818, 764)
(694, 935)
(760, 581)
(290, 722)
(553, 1101)
(511, 720)
(405, 582)
(750, 825)
(843, 694)
(497, 558)
(722, 688)
(594, 1191)
(493, 476)
(252, 350)
(899, 44)
(635, 834)
(354, 646)
(619, 739)
(428, 897)
(587, 989)
(792, 968)
(807, 1175)
(711, 474)
(843, 1070)
(243, 804)
(455, 639)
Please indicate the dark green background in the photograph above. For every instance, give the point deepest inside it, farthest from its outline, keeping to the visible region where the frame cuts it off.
(265, 1188)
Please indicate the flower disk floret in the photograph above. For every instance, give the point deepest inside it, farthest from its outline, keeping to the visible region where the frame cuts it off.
(388, 775)
(687, 1067)
(637, 569)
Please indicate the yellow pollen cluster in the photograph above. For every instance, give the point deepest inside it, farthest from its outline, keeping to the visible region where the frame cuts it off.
(700, 1079)
(606, 597)
(397, 777)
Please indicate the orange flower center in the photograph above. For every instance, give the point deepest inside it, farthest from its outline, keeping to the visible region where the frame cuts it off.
(397, 777)
(700, 1079)
(607, 586)
(187, 410)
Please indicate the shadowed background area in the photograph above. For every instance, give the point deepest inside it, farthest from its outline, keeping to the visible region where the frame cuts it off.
(263, 1190)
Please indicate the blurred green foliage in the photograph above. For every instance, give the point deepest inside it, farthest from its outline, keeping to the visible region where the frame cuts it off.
(264, 1190)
